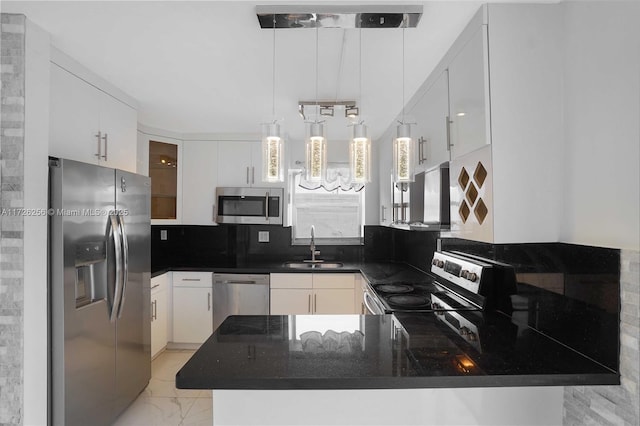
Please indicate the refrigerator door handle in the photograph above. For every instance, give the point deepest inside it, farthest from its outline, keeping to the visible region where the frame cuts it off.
(114, 232)
(125, 261)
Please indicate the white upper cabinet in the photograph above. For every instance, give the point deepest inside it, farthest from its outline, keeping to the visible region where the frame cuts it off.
(199, 181)
(496, 97)
(240, 164)
(90, 125)
(508, 191)
(468, 96)
(431, 132)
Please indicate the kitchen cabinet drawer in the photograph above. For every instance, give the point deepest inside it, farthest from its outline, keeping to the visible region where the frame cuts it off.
(294, 280)
(328, 280)
(192, 279)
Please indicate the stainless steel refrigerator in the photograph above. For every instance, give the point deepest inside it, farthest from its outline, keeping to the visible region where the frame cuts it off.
(99, 274)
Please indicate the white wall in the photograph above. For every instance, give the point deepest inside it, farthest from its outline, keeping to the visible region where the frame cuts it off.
(36, 148)
(602, 130)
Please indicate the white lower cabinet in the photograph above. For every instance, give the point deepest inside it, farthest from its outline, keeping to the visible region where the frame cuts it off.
(309, 293)
(192, 307)
(290, 301)
(159, 311)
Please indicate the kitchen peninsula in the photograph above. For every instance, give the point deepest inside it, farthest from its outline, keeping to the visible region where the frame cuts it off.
(352, 369)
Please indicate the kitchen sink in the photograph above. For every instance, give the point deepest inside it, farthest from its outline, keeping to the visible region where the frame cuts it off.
(313, 265)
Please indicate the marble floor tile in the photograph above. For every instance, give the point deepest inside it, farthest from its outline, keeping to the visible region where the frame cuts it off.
(200, 413)
(146, 411)
(162, 404)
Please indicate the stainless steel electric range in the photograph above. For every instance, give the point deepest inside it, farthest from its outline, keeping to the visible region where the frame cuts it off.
(457, 282)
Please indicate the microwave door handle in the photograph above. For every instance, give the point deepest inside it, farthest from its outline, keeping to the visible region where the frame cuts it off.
(266, 210)
(125, 261)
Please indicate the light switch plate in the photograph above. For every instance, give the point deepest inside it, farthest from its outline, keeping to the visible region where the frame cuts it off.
(163, 234)
(263, 236)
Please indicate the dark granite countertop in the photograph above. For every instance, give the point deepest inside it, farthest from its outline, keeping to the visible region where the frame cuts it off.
(382, 352)
(375, 272)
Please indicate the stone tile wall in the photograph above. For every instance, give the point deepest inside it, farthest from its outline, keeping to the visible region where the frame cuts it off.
(12, 97)
(615, 405)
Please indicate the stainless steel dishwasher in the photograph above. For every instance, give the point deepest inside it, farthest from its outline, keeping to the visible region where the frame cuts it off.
(239, 294)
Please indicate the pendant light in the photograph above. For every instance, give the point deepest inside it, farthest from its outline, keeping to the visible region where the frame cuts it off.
(272, 143)
(360, 144)
(316, 143)
(403, 144)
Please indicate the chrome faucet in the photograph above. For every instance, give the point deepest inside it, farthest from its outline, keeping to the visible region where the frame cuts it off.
(312, 245)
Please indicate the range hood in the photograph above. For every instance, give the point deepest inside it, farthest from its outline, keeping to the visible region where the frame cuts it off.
(339, 16)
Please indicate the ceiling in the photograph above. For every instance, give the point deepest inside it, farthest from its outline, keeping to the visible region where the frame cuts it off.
(206, 66)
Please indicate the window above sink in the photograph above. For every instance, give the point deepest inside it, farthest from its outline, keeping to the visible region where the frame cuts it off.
(337, 215)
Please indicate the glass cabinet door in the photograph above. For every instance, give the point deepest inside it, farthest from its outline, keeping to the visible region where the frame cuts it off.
(163, 170)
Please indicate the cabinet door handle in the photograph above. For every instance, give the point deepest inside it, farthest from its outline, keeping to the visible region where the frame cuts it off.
(383, 209)
(315, 303)
(421, 142)
(309, 305)
(106, 144)
(247, 175)
(253, 175)
(99, 137)
(448, 123)
(208, 301)
(266, 205)
(191, 279)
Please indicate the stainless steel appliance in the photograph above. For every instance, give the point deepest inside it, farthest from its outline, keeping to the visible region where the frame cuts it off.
(260, 206)
(239, 294)
(457, 282)
(99, 275)
(429, 205)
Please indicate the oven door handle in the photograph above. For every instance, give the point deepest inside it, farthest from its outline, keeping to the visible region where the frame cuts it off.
(371, 304)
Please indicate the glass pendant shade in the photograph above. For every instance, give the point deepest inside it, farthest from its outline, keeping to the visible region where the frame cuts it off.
(316, 153)
(403, 155)
(360, 155)
(272, 154)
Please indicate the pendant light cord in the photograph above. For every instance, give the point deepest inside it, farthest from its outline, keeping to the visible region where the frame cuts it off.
(403, 119)
(317, 107)
(273, 74)
(360, 73)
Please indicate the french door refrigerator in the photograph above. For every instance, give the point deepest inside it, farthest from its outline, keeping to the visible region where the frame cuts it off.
(99, 275)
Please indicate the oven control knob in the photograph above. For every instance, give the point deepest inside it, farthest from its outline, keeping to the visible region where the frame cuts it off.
(434, 262)
(464, 273)
(463, 331)
(472, 336)
(472, 276)
(439, 263)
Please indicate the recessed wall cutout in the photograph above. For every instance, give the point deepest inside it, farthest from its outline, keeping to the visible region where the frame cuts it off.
(471, 187)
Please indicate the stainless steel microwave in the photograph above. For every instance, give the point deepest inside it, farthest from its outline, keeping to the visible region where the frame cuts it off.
(259, 206)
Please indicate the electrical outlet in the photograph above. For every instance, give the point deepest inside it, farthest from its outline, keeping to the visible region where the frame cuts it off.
(163, 235)
(263, 236)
